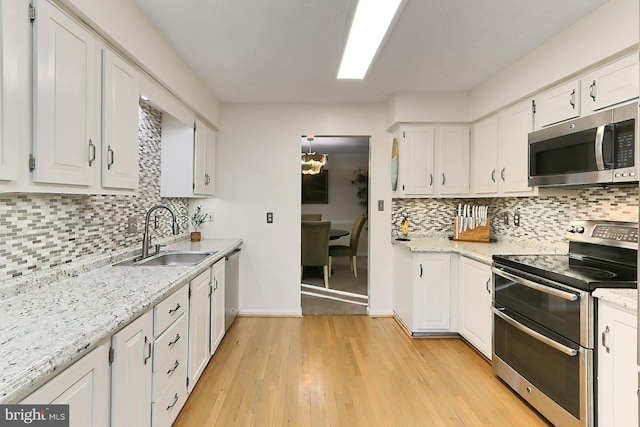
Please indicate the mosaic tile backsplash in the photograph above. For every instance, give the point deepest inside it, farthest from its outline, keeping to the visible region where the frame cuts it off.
(543, 219)
(38, 231)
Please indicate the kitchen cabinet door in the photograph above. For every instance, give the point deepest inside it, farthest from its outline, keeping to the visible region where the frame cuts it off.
(474, 304)
(66, 99)
(84, 386)
(416, 159)
(204, 160)
(484, 156)
(199, 324)
(131, 372)
(611, 84)
(452, 160)
(514, 125)
(120, 94)
(617, 367)
(8, 91)
(432, 279)
(558, 104)
(217, 304)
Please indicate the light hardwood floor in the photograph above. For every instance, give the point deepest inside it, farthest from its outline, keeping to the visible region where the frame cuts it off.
(347, 371)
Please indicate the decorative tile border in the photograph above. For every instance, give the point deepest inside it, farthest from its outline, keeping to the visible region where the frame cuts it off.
(39, 231)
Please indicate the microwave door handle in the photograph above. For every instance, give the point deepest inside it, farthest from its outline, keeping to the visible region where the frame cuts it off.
(537, 286)
(599, 147)
(533, 334)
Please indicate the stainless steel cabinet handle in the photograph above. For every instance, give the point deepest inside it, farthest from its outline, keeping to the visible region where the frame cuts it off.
(148, 344)
(175, 340)
(572, 99)
(533, 334)
(420, 270)
(604, 339)
(430, 179)
(487, 285)
(599, 147)
(592, 90)
(493, 175)
(537, 286)
(502, 173)
(175, 400)
(92, 152)
(110, 157)
(173, 310)
(175, 366)
(443, 179)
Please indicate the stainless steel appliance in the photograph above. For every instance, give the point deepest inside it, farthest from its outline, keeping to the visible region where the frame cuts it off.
(231, 287)
(594, 150)
(544, 317)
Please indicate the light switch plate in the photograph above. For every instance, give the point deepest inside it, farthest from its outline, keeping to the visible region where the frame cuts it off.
(381, 205)
(132, 225)
(269, 217)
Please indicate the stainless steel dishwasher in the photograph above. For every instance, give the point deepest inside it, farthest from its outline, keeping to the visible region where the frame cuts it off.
(231, 291)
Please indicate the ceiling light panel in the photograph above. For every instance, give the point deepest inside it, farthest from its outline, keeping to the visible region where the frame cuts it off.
(370, 24)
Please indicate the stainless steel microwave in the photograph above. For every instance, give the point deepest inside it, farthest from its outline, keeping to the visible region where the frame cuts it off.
(595, 150)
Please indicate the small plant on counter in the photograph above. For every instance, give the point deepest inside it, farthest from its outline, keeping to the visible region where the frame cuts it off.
(198, 217)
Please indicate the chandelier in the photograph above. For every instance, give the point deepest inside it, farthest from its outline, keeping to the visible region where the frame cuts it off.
(312, 162)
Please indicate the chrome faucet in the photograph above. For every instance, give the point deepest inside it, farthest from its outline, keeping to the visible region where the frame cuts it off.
(145, 237)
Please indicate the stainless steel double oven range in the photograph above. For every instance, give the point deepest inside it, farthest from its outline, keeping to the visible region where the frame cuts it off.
(544, 317)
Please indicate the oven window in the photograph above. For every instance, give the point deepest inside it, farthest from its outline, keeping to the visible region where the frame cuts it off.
(552, 312)
(554, 373)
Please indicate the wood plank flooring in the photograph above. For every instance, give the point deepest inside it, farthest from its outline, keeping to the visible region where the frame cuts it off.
(347, 371)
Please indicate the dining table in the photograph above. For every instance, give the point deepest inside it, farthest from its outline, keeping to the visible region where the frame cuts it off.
(336, 233)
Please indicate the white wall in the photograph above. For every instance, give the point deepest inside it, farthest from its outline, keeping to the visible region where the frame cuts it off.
(612, 28)
(430, 107)
(124, 25)
(258, 171)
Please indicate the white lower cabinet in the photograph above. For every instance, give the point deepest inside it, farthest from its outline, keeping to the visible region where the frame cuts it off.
(84, 386)
(217, 304)
(617, 366)
(474, 304)
(422, 291)
(199, 326)
(131, 373)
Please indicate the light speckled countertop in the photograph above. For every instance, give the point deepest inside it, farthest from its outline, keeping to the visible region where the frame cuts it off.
(627, 298)
(50, 321)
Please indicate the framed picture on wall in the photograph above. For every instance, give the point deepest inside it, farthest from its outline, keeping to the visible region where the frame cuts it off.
(315, 188)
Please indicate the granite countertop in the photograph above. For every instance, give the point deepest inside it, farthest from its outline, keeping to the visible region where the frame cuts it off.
(47, 324)
(481, 252)
(627, 298)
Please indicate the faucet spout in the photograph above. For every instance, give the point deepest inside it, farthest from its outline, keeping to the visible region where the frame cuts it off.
(145, 237)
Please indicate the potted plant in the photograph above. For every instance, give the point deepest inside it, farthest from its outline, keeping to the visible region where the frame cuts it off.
(361, 182)
(197, 219)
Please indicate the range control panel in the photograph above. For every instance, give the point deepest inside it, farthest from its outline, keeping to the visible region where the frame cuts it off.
(609, 233)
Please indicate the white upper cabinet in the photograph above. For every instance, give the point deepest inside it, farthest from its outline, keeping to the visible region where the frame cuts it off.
(558, 104)
(120, 94)
(66, 90)
(514, 125)
(8, 91)
(611, 84)
(204, 160)
(452, 164)
(484, 156)
(416, 161)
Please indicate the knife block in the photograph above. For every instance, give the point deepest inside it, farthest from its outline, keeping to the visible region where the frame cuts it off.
(478, 234)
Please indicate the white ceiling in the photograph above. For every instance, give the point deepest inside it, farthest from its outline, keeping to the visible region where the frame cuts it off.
(289, 50)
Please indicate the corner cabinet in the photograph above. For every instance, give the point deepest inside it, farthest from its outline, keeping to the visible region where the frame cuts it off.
(422, 291)
(617, 366)
(84, 386)
(433, 161)
(474, 304)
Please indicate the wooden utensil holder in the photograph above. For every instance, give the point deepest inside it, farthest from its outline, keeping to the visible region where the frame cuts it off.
(480, 233)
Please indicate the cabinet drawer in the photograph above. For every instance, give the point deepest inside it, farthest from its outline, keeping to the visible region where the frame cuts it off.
(167, 311)
(172, 343)
(172, 369)
(165, 410)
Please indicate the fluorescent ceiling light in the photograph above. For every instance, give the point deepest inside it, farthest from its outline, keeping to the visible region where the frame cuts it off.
(370, 24)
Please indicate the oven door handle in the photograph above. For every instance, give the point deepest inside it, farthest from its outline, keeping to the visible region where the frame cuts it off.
(537, 286)
(548, 341)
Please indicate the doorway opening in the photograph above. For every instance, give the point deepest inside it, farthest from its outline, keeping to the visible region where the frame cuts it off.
(337, 194)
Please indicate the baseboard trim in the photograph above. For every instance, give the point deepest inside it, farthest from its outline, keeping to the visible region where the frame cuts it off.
(249, 313)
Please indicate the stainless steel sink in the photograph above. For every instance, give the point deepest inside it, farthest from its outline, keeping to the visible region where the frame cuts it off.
(170, 258)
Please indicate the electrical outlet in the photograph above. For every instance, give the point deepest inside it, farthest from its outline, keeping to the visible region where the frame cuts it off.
(132, 225)
(516, 219)
(269, 217)
(210, 217)
(505, 218)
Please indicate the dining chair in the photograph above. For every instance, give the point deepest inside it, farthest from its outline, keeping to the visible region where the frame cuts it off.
(351, 250)
(311, 217)
(314, 248)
